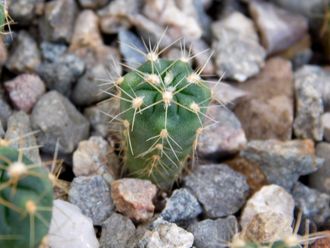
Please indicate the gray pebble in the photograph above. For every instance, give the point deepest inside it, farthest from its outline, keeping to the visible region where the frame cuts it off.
(22, 11)
(283, 162)
(62, 73)
(219, 189)
(320, 180)
(24, 55)
(92, 196)
(128, 40)
(181, 206)
(58, 20)
(93, 4)
(222, 134)
(117, 230)
(58, 121)
(214, 233)
(20, 135)
(313, 204)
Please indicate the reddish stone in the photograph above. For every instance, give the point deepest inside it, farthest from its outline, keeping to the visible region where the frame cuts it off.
(133, 198)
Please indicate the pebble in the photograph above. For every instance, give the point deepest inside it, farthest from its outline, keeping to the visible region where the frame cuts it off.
(2, 132)
(283, 162)
(254, 175)
(118, 14)
(309, 104)
(181, 206)
(86, 32)
(132, 48)
(58, 20)
(320, 180)
(267, 110)
(24, 55)
(133, 198)
(222, 134)
(214, 233)
(89, 87)
(91, 157)
(69, 228)
(21, 136)
(313, 10)
(269, 199)
(93, 4)
(267, 228)
(203, 55)
(22, 11)
(219, 189)
(231, 41)
(323, 241)
(326, 126)
(227, 94)
(52, 51)
(5, 110)
(278, 28)
(99, 116)
(3, 53)
(313, 204)
(181, 19)
(58, 121)
(24, 91)
(62, 72)
(268, 215)
(92, 196)
(166, 235)
(117, 230)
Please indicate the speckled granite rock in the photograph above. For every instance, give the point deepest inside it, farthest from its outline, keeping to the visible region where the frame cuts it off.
(219, 189)
(283, 162)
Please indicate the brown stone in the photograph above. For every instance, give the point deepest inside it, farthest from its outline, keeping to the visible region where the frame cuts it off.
(133, 198)
(267, 112)
(323, 242)
(253, 173)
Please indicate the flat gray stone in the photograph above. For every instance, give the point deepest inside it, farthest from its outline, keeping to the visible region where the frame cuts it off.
(20, 135)
(219, 189)
(214, 233)
(24, 55)
(320, 180)
(235, 35)
(283, 162)
(117, 230)
(181, 206)
(313, 204)
(92, 195)
(222, 134)
(58, 20)
(58, 120)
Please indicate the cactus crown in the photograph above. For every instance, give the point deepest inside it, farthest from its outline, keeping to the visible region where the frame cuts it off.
(26, 199)
(163, 104)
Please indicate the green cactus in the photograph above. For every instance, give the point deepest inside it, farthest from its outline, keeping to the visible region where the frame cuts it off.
(2, 16)
(163, 104)
(276, 244)
(26, 199)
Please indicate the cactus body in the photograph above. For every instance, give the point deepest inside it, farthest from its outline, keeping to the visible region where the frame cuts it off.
(26, 199)
(163, 104)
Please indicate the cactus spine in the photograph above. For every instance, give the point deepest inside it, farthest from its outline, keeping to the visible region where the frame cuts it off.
(26, 199)
(163, 104)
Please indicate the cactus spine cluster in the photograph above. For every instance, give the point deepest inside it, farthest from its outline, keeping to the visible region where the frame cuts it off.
(26, 200)
(163, 104)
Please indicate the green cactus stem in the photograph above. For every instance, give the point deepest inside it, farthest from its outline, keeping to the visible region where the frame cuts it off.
(163, 104)
(26, 200)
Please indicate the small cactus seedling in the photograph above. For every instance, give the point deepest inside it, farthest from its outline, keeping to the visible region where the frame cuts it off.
(26, 199)
(163, 104)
